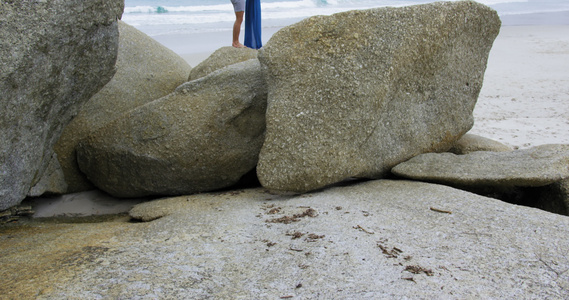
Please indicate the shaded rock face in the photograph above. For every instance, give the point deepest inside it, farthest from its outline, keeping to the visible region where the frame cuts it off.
(472, 142)
(54, 55)
(52, 181)
(221, 58)
(203, 136)
(553, 197)
(353, 94)
(536, 177)
(146, 71)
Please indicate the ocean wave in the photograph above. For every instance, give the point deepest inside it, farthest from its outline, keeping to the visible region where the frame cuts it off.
(211, 15)
(218, 6)
(531, 11)
(494, 2)
(277, 5)
(144, 9)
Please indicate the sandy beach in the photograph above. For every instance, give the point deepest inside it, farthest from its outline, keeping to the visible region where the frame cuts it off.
(525, 96)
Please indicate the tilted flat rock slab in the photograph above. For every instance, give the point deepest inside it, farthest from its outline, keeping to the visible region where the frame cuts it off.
(355, 93)
(357, 242)
(205, 135)
(537, 166)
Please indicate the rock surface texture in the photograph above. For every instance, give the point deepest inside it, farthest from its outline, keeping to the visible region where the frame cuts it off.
(146, 71)
(375, 240)
(221, 58)
(54, 55)
(355, 93)
(205, 135)
(537, 166)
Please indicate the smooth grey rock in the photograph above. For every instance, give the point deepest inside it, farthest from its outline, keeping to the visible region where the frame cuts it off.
(472, 142)
(146, 71)
(359, 242)
(537, 166)
(221, 58)
(54, 55)
(355, 93)
(205, 135)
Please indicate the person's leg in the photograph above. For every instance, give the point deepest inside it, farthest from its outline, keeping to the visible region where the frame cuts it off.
(237, 29)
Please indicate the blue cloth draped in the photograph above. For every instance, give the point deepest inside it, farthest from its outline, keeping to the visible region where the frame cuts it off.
(253, 24)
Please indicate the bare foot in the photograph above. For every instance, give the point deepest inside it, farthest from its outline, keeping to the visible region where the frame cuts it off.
(238, 45)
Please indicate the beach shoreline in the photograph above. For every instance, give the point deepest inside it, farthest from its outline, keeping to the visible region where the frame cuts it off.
(541, 18)
(196, 47)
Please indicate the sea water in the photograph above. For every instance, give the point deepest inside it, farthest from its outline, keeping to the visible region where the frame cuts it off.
(168, 17)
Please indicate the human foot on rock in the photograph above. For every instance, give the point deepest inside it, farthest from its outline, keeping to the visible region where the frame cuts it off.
(238, 45)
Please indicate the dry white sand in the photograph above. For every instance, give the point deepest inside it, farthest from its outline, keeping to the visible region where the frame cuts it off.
(524, 101)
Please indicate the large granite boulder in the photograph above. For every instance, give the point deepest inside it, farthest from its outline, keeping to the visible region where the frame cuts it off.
(376, 240)
(54, 56)
(537, 166)
(205, 135)
(146, 71)
(355, 93)
(472, 142)
(221, 58)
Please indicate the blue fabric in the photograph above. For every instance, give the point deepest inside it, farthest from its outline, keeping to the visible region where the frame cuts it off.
(253, 24)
